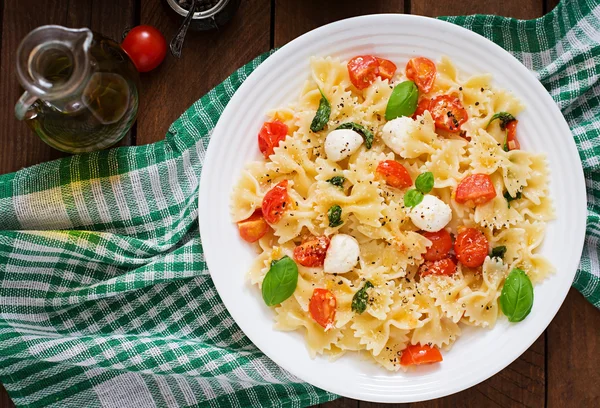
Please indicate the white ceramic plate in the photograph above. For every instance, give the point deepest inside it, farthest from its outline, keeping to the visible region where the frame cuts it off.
(479, 353)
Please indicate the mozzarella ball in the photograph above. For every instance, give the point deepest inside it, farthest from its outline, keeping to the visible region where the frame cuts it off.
(342, 254)
(431, 214)
(341, 143)
(396, 133)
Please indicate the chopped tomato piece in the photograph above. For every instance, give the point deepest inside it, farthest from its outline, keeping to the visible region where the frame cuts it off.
(422, 106)
(511, 136)
(471, 247)
(441, 244)
(422, 72)
(417, 354)
(448, 113)
(270, 135)
(363, 69)
(444, 266)
(275, 202)
(253, 228)
(394, 173)
(322, 307)
(387, 68)
(476, 189)
(312, 251)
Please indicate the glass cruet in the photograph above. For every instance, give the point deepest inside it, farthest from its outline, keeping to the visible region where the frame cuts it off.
(81, 89)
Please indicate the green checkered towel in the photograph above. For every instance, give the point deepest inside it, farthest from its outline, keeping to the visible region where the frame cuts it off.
(105, 299)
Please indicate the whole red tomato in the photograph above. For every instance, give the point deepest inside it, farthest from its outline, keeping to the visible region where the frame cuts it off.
(146, 47)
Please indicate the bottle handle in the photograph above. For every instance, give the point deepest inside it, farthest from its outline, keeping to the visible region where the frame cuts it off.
(24, 104)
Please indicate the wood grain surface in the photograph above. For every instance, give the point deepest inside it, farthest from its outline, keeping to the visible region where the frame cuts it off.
(561, 369)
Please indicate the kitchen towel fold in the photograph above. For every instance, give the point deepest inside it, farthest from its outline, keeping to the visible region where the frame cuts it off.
(105, 298)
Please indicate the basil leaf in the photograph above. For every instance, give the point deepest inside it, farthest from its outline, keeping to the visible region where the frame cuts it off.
(516, 299)
(510, 198)
(322, 115)
(335, 216)
(337, 181)
(504, 117)
(498, 252)
(366, 133)
(424, 182)
(403, 100)
(280, 282)
(412, 197)
(359, 300)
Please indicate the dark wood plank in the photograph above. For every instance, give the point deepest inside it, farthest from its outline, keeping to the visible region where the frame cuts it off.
(208, 58)
(342, 403)
(574, 354)
(550, 5)
(5, 401)
(523, 9)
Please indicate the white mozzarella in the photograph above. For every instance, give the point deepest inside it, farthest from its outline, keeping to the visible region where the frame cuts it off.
(396, 132)
(342, 254)
(341, 143)
(431, 214)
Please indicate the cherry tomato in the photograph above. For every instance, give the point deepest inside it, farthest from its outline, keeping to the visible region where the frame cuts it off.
(146, 47)
(394, 173)
(422, 106)
(322, 307)
(476, 189)
(387, 68)
(422, 72)
(448, 113)
(417, 354)
(254, 228)
(444, 266)
(471, 247)
(511, 136)
(275, 202)
(363, 69)
(441, 244)
(270, 135)
(312, 251)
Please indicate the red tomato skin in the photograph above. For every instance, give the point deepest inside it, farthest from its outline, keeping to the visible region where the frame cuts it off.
(441, 244)
(387, 68)
(270, 135)
(362, 70)
(322, 307)
(511, 136)
(253, 228)
(422, 72)
(422, 106)
(146, 47)
(417, 354)
(476, 189)
(443, 105)
(275, 203)
(311, 253)
(394, 173)
(445, 266)
(471, 247)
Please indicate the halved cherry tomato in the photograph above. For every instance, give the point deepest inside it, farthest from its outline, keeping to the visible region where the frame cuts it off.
(448, 113)
(312, 251)
(471, 247)
(394, 173)
(422, 72)
(511, 136)
(444, 266)
(363, 69)
(387, 68)
(475, 189)
(270, 135)
(322, 307)
(422, 106)
(417, 354)
(441, 244)
(253, 228)
(275, 202)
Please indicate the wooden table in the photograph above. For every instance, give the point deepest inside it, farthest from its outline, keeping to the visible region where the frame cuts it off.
(561, 369)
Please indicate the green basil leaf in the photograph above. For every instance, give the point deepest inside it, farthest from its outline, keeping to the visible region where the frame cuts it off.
(335, 216)
(322, 115)
(498, 252)
(424, 182)
(280, 282)
(359, 300)
(504, 117)
(412, 197)
(403, 100)
(516, 299)
(366, 133)
(337, 181)
(510, 198)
